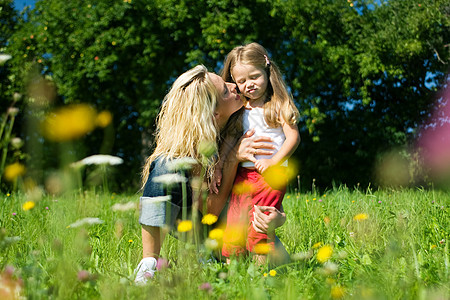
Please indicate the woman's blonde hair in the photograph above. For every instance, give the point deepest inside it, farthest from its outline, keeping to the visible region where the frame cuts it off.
(279, 102)
(186, 118)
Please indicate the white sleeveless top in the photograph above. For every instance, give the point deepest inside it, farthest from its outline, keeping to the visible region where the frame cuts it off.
(254, 119)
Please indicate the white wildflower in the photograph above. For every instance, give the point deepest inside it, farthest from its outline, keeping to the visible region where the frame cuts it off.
(185, 163)
(302, 255)
(11, 239)
(330, 268)
(4, 58)
(86, 221)
(211, 244)
(98, 159)
(16, 143)
(169, 179)
(124, 206)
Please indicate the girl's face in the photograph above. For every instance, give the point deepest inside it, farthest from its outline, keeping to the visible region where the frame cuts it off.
(228, 102)
(252, 81)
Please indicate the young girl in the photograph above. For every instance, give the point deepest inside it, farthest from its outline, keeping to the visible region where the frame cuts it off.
(270, 111)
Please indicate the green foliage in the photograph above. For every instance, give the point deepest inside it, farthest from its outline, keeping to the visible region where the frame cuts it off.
(398, 250)
(362, 73)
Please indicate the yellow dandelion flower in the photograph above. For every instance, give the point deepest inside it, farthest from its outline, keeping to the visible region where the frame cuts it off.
(277, 177)
(113, 43)
(103, 119)
(69, 123)
(314, 199)
(235, 235)
(317, 245)
(216, 234)
(209, 219)
(272, 273)
(13, 171)
(337, 292)
(130, 241)
(432, 247)
(242, 188)
(324, 253)
(265, 274)
(361, 217)
(185, 226)
(262, 248)
(7, 195)
(28, 205)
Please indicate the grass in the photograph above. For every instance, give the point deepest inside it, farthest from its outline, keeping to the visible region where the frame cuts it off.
(398, 249)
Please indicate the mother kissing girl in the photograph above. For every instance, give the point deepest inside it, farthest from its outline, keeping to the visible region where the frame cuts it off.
(193, 113)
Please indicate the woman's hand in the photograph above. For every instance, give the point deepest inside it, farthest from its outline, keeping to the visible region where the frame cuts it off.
(248, 146)
(263, 223)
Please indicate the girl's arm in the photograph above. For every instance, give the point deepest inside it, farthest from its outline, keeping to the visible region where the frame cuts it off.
(266, 223)
(287, 149)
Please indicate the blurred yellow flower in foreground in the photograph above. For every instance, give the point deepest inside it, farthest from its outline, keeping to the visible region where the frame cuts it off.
(242, 188)
(317, 245)
(28, 205)
(235, 235)
(216, 234)
(104, 118)
(272, 273)
(13, 171)
(337, 292)
(262, 248)
(324, 253)
(209, 219)
(360, 217)
(185, 226)
(69, 123)
(277, 177)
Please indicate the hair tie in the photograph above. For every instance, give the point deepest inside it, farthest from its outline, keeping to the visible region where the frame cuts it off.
(267, 60)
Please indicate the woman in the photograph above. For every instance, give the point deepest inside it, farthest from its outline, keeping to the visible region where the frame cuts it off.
(197, 106)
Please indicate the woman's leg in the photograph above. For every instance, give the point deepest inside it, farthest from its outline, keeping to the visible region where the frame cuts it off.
(152, 240)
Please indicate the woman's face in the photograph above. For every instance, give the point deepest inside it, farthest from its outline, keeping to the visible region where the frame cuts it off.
(229, 101)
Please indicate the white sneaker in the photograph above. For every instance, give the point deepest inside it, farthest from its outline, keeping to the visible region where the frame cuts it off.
(145, 270)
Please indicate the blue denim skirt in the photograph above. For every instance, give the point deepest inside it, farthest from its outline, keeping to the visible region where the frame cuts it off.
(162, 200)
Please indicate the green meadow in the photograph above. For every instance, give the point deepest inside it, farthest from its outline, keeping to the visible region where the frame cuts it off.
(344, 244)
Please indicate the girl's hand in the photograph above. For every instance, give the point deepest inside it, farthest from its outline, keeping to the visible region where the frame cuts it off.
(263, 223)
(249, 146)
(263, 164)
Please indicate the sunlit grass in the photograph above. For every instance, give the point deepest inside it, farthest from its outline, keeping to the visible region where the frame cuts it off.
(343, 244)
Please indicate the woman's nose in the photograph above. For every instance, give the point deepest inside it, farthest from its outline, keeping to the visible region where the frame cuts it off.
(232, 87)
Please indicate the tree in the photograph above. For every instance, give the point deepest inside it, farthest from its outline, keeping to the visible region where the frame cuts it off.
(359, 71)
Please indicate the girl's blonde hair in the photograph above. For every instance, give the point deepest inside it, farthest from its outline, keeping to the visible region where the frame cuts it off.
(279, 102)
(186, 119)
